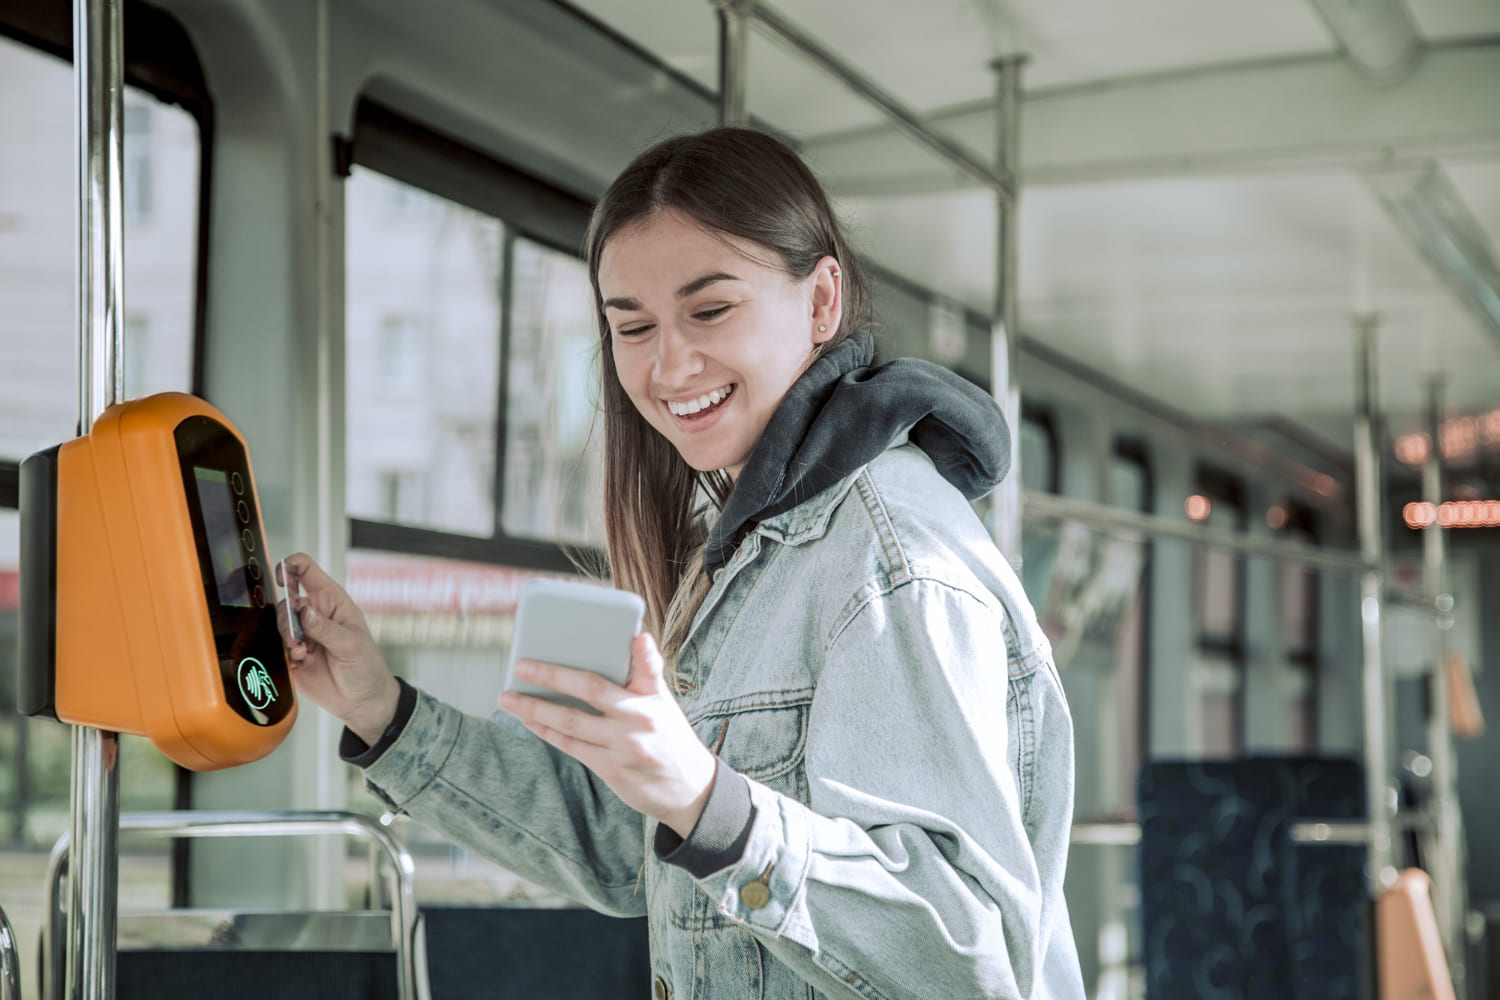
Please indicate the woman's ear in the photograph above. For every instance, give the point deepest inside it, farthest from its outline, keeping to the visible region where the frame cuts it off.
(827, 299)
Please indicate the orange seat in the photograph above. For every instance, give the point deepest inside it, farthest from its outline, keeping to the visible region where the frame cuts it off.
(1410, 949)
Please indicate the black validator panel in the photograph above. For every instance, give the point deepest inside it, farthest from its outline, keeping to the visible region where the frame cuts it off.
(236, 576)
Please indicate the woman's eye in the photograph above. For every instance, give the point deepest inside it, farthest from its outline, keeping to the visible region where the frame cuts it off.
(631, 331)
(704, 315)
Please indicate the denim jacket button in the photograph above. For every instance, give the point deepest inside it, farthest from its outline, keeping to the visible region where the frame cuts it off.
(755, 894)
(659, 989)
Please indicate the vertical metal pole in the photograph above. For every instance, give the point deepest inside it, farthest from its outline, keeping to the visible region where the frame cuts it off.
(1381, 871)
(98, 92)
(734, 52)
(1448, 887)
(1005, 332)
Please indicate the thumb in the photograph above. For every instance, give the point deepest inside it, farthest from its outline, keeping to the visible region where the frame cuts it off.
(646, 665)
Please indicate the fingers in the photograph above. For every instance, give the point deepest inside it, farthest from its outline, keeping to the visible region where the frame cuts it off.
(646, 666)
(574, 725)
(586, 686)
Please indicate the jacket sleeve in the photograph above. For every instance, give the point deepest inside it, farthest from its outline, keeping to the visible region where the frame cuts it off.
(911, 874)
(494, 788)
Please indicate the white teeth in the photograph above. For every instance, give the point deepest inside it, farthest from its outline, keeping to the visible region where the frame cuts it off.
(703, 402)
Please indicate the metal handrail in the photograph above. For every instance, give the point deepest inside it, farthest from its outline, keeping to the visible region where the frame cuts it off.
(1333, 832)
(1106, 833)
(1050, 507)
(250, 823)
(10, 961)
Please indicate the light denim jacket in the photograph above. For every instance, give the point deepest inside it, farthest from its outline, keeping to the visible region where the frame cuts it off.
(851, 660)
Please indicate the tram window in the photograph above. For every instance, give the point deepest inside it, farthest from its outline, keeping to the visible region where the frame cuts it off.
(38, 383)
(554, 467)
(140, 189)
(444, 625)
(1040, 466)
(1040, 462)
(1218, 608)
(1299, 624)
(422, 356)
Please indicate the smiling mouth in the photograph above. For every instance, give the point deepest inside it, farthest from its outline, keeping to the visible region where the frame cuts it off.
(697, 409)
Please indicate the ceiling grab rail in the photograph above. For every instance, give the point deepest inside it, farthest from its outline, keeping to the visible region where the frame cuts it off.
(252, 823)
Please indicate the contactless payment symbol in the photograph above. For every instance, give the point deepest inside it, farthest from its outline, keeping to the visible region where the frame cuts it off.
(256, 686)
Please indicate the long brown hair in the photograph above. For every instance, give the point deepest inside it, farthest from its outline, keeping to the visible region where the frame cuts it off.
(741, 183)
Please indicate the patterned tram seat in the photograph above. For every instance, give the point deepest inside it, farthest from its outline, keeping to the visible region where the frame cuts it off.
(1231, 907)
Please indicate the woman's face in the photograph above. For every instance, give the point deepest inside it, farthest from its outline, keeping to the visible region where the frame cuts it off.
(708, 333)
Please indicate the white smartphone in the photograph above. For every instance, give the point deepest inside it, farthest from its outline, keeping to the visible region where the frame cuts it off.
(579, 625)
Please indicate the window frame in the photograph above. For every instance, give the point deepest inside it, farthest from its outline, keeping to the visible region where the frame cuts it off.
(159, 59)
(388, 143)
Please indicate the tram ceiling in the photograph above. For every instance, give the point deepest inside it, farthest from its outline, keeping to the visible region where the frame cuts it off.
(1285, 115)
(1195, 215)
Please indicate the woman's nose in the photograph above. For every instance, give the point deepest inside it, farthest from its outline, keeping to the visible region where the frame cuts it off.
(677, 358)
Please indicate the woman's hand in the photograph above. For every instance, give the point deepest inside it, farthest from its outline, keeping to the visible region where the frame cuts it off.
(641, 744)
(337, 665)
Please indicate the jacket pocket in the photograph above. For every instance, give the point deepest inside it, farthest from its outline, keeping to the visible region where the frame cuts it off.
(764, 737)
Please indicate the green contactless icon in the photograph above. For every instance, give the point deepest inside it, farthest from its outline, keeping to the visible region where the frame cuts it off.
(256, 686)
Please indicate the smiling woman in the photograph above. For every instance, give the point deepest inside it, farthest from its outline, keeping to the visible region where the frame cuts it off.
(837, 583)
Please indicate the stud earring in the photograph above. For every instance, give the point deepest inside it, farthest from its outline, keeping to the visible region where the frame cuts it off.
(822, 328)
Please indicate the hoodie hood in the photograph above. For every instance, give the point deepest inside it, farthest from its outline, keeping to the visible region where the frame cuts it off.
(841, 414)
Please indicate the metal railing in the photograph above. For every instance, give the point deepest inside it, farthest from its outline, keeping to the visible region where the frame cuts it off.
(1333, 832)
(10, 961)
(236, 823)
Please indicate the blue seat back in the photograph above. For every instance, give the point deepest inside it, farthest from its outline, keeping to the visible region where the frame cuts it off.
(1231, 907)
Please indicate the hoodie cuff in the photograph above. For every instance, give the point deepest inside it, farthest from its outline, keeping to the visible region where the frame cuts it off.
(359, 753)
(718, 838)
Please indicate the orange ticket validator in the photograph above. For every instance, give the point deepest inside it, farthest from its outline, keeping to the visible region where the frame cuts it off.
(146, 600)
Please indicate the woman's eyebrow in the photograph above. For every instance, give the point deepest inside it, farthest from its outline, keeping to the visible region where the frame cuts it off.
(696, 285)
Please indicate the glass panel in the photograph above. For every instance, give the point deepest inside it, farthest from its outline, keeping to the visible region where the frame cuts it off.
(445, 626)
(1296, 609)
(554, 462)
(38, 333)
(1299, 619)
(1127, 484)
(1037, 459)
(1218, 579)
(422, 356)
(1218, 594)
(1221, 724)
